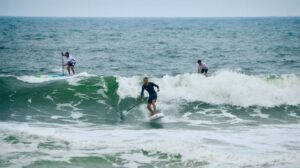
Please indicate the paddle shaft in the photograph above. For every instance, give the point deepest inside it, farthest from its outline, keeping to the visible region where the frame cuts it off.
(62, 65)
(121, 113)
(122, 117)
(133, 106)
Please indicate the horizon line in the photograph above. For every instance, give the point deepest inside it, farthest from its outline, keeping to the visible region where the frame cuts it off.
(32, 16)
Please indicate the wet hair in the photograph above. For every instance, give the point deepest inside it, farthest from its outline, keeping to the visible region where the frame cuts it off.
(145, 78)
(67, 53)
(199, 61)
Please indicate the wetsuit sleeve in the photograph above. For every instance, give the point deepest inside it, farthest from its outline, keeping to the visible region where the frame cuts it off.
(155, 85)
(142, 92)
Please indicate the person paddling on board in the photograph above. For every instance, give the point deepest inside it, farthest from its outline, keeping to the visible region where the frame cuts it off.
(202, 68)
(70, 63)
(149, 87)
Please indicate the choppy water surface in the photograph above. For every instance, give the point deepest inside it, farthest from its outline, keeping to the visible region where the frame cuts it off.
(245, 114)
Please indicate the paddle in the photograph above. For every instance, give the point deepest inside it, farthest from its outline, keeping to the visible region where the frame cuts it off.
(62, 64)
(132, 107)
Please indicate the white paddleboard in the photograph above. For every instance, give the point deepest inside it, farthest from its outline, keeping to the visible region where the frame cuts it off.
(156, 116)
(52, 76)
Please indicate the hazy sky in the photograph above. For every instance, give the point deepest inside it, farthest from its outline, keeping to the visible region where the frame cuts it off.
(150, 8)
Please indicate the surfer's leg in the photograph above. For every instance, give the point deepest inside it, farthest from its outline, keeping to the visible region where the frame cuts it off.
(73, 71)
(205, 72)
(150, 109)
(150, 100)
(154, 106)
(69, 69)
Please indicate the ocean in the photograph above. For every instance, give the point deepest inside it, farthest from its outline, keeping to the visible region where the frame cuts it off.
(245, 114)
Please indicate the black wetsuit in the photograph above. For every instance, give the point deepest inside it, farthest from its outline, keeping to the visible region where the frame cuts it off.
(150, 89)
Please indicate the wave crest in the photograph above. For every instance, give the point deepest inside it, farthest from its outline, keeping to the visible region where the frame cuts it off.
(225, 87)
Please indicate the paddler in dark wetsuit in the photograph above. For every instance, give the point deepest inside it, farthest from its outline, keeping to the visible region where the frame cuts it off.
(149, 86)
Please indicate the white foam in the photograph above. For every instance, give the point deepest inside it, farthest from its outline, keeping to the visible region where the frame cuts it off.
(28, 117)
(50, 98)
(258, 113)
(129, 86)
(76, 115)
(56, 70)
(225, 87)
(57, 117)
(66, 107)
(293, 114)
(101, 102)
(72, 80)
(236, 147)
(83, 96)
(3, 75)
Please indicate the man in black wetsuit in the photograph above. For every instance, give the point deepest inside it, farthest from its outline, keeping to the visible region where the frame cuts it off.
(149, 86)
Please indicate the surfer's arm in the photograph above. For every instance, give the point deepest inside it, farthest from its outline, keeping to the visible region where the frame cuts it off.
(156, 86)
(142, 92)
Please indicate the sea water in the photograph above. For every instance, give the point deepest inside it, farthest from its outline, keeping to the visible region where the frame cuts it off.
(245, 114)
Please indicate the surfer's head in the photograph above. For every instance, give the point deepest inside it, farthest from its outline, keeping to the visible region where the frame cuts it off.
(145, 80)
(67, 54)
(199, 62)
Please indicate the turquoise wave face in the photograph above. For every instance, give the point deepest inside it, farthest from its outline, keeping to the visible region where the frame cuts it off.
(58, 99)
(191, 98)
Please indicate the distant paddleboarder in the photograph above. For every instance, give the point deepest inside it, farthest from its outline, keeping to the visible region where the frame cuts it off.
(202, 68)
(70, 63)
(149, 87)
